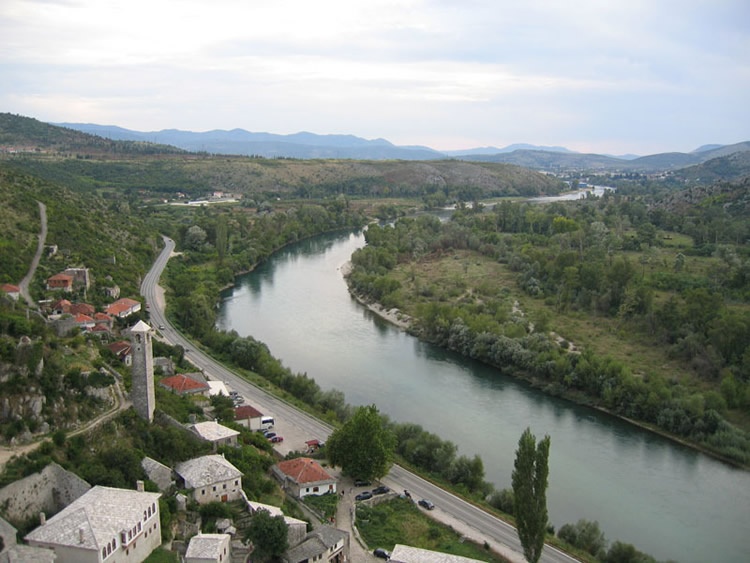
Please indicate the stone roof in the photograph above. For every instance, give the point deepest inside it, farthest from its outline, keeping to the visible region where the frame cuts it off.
(27, 554)
(273, 511)
(217, 388)
(206, 470)
(315, 543)
(207, 546)
(246, 411)
(408, 554)
(98, 516)
(303, 470)
(213, 431)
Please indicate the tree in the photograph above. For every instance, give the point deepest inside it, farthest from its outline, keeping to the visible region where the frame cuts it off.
(268, 534)
(362, 446)
(530, 493)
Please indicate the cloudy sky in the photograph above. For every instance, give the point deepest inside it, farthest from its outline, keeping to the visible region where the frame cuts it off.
(615, 76)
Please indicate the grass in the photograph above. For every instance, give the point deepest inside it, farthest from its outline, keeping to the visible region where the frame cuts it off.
(161, 555)
(400, 521)
(324, 504)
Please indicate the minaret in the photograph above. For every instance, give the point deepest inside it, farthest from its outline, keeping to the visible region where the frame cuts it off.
(142, 390)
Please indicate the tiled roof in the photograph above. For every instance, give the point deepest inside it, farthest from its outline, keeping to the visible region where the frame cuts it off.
(82, 308)
(121, 305)
(80, 318)
(95, 518)
(10, 288)
(303, 470)
(213, 431)
(206, 470)
(207, 546)
(62, 305)
(102, 317)
(119, 347)
(273, 511)
(246, 411)
(183, 384)
(61, 277)
(315, 543)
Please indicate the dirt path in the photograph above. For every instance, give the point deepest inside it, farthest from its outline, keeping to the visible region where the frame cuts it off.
(24, 284)
(8, 453)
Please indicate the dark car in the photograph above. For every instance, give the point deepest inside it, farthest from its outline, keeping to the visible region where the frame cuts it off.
(363, 496)
(382, 553)
(424, 503)
(361, 483)
(380, 490)
(276, 439)
(269, 435)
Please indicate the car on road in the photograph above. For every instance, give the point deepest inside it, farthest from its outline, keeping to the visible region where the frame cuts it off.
(382, 553)
(162, 327)
(380, 490)
(424, 503)
(361, 483)
(363, 496)
(276, 439)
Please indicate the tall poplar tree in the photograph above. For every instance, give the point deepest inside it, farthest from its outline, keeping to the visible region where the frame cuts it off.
(530, 493)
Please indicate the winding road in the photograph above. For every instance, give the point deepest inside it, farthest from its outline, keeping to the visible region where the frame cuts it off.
(450, 509)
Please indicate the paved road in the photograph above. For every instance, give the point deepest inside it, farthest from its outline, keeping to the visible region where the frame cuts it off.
(24, 284)
(453, 508)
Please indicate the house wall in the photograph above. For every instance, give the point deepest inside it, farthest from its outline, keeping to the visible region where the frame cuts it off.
(225, 551)
(296, 533)
(322, 487)
(204, 495)
(49, 491)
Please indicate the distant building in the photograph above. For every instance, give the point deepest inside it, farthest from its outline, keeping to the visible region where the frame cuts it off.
(183, 384)
(248, 416)
(105, 524)
(81, 276)
(325, 543)
(157, 472)
(296, 529)
(60, 282)
(122, 350)
(209, 548)
(13, 291)
(215, 433)
(211, 477)
(303, 476)
(123, 307)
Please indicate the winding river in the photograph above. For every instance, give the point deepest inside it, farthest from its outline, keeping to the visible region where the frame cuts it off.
(664, 498)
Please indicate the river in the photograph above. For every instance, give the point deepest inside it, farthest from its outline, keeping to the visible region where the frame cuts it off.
(666, 499)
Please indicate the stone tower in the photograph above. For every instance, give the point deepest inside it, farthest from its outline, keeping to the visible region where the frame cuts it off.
(142, 390)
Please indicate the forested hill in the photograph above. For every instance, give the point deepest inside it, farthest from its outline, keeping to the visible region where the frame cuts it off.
(19, 134)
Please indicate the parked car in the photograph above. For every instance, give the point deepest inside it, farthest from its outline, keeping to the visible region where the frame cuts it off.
(363, 496)
(361, 483)
(269, 435)
(424, 503)
(276, 439)
(382, 553)
(234, 393)
(380, 490)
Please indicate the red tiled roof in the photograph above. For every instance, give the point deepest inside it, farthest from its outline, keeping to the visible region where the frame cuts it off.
(100, 328)
(246, 411)
(84, 319)
(120, 347)
(303, 470)
(82, 308)
(121, 305)
(63, 305)
(61, 277)
(102, 317)
(182, 383)
(10, 288)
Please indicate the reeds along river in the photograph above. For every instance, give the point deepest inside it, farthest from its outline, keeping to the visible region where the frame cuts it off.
(664, 498)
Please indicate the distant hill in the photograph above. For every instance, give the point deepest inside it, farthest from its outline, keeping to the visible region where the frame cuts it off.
(269, 145)
(509, 148)
(733, 167)
(26, 134)
(566, 162)
(704, 148)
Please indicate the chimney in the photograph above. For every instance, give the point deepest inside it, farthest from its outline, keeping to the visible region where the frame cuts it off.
(80, 535)
(42, 518)
(139, 486)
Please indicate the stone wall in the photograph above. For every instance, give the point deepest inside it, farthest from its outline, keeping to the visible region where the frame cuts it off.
(48, 491)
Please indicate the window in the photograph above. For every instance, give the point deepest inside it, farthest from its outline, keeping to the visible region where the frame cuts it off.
(104, 552)
(214, 488)
(225, 486)
(236, 482)
(315, 489)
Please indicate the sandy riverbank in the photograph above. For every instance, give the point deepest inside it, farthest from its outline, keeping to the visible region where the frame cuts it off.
(393, 316)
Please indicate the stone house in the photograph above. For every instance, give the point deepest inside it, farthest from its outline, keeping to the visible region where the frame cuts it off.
(325, 543)
(211, 477)
(215, 433)
(105, 524)
(60, 282)
(157, 472)
(296, 529)
(209, 548)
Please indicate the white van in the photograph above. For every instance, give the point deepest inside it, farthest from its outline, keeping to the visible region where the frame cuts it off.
(266, 422)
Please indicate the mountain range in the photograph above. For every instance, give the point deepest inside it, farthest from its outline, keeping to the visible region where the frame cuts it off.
(307, 145)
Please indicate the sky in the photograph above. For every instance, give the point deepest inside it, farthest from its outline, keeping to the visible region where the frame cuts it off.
(614, 76)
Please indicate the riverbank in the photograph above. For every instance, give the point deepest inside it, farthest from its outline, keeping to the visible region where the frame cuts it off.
(406, 323)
